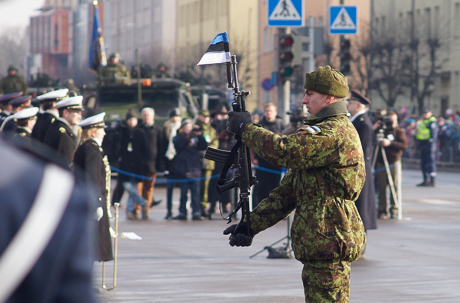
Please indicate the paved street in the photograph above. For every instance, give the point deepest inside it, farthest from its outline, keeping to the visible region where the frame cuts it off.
(415, 259)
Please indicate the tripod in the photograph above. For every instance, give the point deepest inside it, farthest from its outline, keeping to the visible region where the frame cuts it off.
(279, 252)
(380, 147)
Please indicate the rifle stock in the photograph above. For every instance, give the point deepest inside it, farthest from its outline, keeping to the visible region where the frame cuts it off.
(239, 156)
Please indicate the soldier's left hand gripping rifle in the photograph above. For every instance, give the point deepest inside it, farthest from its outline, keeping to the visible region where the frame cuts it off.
(238, 157)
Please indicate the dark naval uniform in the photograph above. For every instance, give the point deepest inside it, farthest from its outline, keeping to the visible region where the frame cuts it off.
(89, 157)
(61, 138)
(366, 202)
(63, 272)
(44, 121)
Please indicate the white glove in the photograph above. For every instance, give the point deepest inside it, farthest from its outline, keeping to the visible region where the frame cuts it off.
(98, 214)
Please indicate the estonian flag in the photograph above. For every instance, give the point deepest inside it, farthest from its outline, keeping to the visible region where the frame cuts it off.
(96, 48)
(218, 51)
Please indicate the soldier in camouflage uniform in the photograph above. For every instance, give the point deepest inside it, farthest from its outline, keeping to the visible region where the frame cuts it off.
(113, 73)
(326, 175)
(13, 82)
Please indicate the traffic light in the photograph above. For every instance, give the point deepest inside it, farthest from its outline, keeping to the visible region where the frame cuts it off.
(286, 55)
(345, 56)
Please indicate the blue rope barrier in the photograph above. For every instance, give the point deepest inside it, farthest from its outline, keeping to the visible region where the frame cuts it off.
(165, 180)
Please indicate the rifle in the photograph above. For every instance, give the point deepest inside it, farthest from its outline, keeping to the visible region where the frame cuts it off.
(238, 157)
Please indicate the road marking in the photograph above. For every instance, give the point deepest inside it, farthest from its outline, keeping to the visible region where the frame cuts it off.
(438, 202)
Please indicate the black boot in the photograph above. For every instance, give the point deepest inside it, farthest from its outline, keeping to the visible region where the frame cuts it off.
(424, 183)
(168, 215)
(432, 182)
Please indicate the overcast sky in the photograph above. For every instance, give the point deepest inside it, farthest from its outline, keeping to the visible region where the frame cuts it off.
(14, 13)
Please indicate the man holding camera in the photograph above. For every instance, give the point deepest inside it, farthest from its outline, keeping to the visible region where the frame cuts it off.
(393, 141)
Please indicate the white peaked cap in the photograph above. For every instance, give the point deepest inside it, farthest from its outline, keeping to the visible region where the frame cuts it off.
(54, 95)
(96, 121)
(26, 113)
(70, 103)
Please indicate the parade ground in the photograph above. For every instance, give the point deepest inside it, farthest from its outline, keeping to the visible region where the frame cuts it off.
(415, 259)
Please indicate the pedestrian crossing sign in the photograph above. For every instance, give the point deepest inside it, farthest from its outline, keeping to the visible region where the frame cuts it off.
(343, 20)
(284, 13)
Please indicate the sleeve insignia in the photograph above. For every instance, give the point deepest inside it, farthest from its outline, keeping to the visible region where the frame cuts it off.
(313, 129)
(52, 120)
(62, 129)
(22, 134)
(361, 119)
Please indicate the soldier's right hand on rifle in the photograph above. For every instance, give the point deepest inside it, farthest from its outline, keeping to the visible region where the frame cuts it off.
(239, 235)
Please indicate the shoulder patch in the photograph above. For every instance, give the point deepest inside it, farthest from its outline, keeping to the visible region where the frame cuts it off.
(22, 134)
(52, 120)
(62, 129)
(361, 119)
(313, 129)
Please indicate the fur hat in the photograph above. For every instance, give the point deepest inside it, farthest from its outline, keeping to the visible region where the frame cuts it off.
(328, 81)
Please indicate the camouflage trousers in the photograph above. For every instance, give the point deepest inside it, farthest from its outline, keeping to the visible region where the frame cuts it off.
(326, 282)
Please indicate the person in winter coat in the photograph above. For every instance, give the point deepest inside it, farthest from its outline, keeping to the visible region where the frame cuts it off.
(130, 151)
(268, 175)
(187, 166)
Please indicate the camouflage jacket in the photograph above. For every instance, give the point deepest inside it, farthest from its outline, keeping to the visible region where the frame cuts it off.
(12, 84)
(326, 175)
(113, 74)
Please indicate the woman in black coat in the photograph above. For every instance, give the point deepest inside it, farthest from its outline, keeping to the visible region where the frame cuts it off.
(89, 157)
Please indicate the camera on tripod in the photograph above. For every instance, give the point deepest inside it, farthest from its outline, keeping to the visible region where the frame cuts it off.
(384, 121)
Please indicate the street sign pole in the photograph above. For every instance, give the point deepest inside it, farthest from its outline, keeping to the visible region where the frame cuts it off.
(286, 93)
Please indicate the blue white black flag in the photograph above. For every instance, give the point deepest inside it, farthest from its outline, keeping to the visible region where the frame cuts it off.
(96, 48)
(218, 51)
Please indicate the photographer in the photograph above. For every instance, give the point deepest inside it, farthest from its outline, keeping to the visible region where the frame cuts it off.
(188, 143)
(393, 140)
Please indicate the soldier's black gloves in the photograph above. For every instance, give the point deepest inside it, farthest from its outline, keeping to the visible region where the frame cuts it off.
(237, 121)
(241, 236)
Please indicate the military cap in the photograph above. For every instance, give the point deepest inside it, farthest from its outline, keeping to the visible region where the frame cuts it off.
(96, 121)
(26, 113)
(328, 81)
(114, 55)
(426, 109)
(73, 103)
(175, 112)
(204, 113)
(21, 101)
(55, 95)
(12, 67)
(8, 97)
(355, 95)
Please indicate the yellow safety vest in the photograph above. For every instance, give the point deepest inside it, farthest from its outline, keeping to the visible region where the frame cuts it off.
(423, 132)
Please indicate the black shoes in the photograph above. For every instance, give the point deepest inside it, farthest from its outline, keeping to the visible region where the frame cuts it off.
(180, 217)
(197, 218)
(168, 215)
(155, 203)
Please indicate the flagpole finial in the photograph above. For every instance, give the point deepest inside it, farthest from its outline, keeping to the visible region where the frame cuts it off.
(95, 2)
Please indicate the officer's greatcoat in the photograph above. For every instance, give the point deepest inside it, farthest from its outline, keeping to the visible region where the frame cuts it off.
(366, 201)
(89, 157)
(61, 138)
